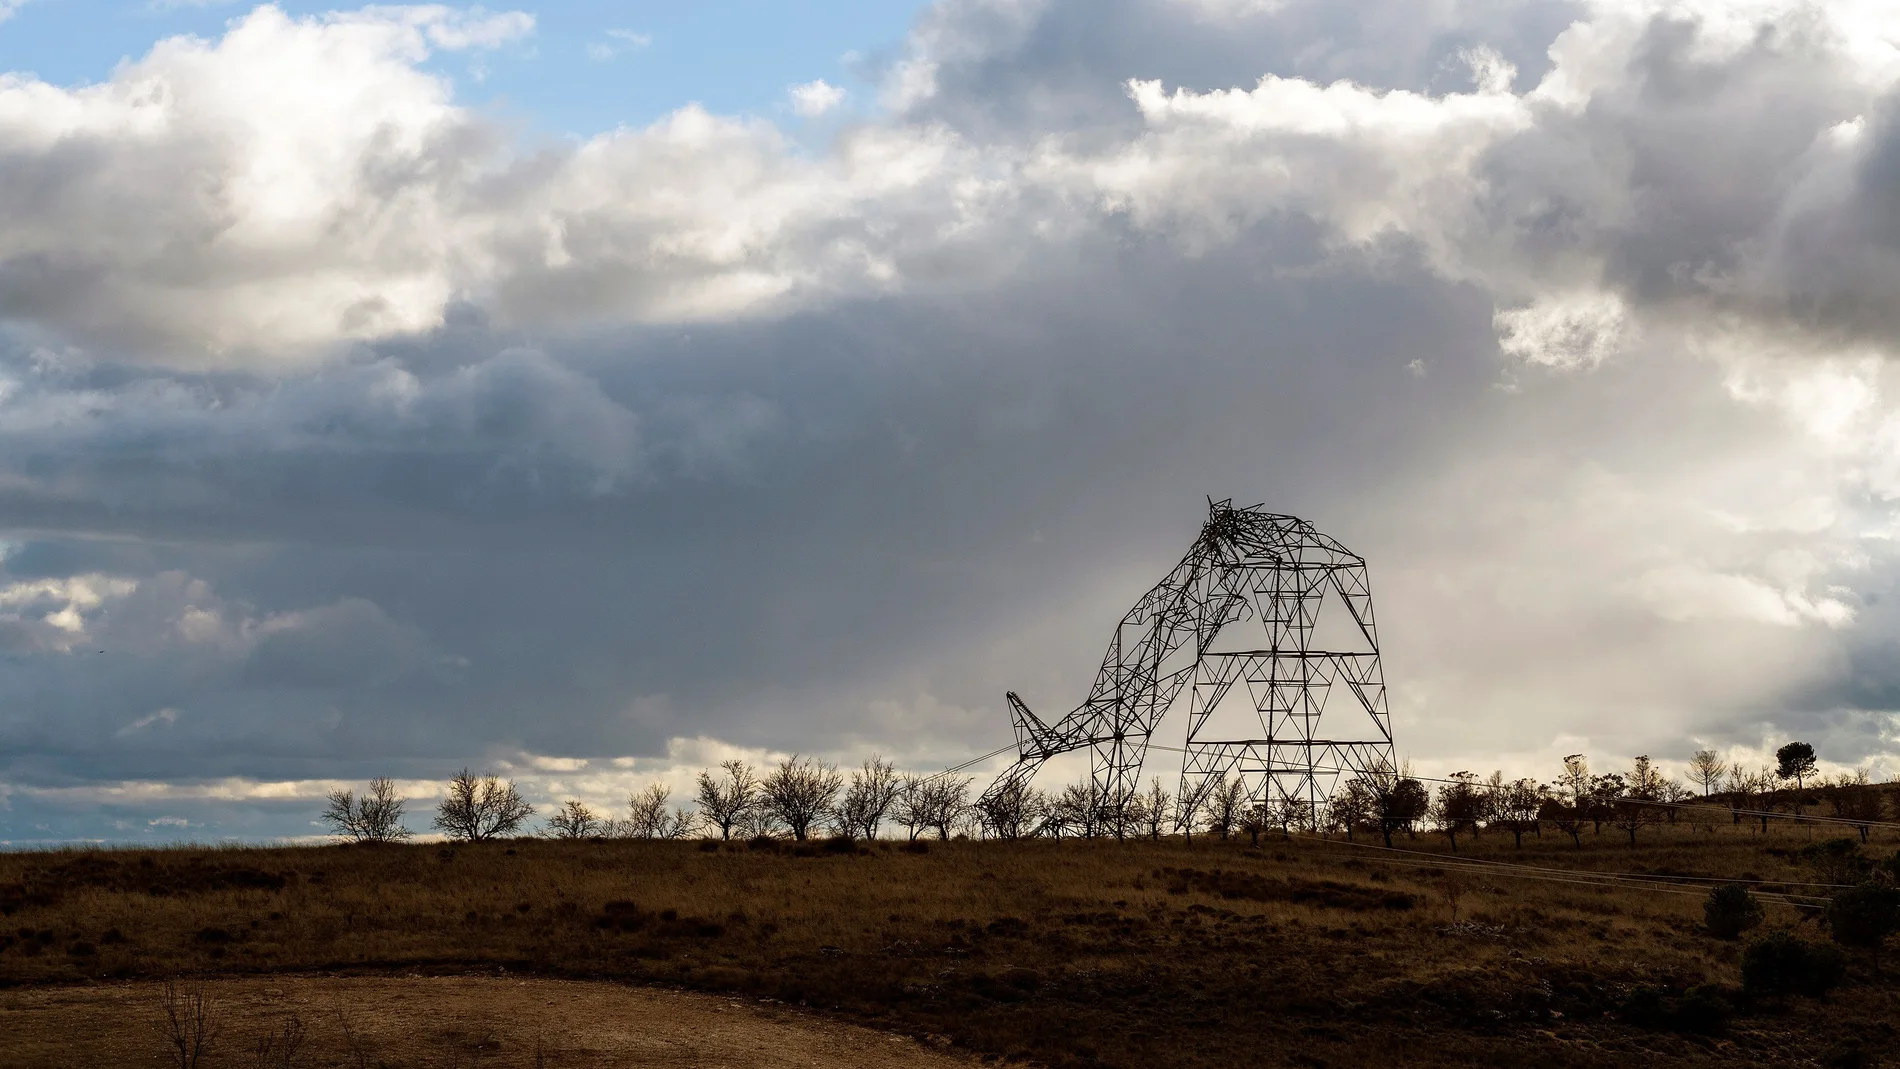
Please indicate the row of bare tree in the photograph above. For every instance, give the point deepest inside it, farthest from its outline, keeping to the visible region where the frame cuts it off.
(803, 797)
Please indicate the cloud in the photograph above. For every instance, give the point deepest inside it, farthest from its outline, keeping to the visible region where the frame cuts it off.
(617, 43)
(390, 441)
(814, 98)
(167, 717)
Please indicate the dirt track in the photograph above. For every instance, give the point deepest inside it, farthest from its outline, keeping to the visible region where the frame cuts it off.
(445, 1021)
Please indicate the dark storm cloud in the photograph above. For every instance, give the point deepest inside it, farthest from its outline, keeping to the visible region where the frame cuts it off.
(1003, 68)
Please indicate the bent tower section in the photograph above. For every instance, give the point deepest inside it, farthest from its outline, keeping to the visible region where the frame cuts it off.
(1232, 627)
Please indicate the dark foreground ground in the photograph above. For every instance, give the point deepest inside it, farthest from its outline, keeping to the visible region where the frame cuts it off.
(1071, 953)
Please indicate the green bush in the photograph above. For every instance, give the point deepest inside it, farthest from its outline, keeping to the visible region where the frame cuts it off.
(1730, 911)
(1780, 964)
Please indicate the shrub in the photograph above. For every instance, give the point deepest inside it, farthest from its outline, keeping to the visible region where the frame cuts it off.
(1701, 1009)
(1836, 860)
(1864, 916)
(1780, 964)
(1730, 911)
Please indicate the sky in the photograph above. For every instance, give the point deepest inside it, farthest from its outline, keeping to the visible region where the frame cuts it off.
(590, 394)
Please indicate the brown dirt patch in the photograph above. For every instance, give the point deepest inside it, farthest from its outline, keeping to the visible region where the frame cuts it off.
(445, 1021)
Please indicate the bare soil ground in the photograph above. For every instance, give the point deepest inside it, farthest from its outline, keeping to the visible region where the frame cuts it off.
(444, 1021)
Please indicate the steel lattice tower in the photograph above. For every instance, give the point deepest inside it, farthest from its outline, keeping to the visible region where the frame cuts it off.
(1247, 564)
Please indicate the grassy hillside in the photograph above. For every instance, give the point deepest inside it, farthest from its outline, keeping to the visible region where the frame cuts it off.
(1069, 953)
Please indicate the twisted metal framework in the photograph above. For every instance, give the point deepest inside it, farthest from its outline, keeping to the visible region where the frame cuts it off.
(1246, 564)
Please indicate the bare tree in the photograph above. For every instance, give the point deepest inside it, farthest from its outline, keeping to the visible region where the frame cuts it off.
(1706, 768)
(1858, 802)
(1757, 795)
(800, 792)
(374, 818)
(726, 802)
(1226, 805)
(869, 796)
(1012, 812)
(1575, 781)
(186, 1023)
(277, 1049)
(1155, 806)
(912, 809)
(1738, 788)
(949, 802)
(478, 808)
(574, 820)
(1190, 808)
(1674, 796)
(1634, 807)
(760, 822)
(1078, 808)
(1288, 813)
(649, 817)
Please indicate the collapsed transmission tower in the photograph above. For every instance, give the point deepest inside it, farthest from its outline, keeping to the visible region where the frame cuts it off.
(1247, 565)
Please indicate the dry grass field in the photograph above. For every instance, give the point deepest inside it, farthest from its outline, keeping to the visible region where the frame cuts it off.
(1063, 953)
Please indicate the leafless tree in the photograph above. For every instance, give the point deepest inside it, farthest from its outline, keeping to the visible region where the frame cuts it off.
(1739, 785)
(278, 1049)
(1706, 768)
(478, 808)
(868, 797)
(1014, 811)
(1575, 781)
(649, 817)
(1674, 796)
(1858, 802)
(1190, 807)
(800, 792)
(949, 798)
(1752, 793)
(186, 1023)
(1079, 809)
(912, 809)
(1634, 807)
(1226, 805)
(574, 820)
(1155, 807)
(726, 802)
(760, 822)
(1288, 813)
(374, 818)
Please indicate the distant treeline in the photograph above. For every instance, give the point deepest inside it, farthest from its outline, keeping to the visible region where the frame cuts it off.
(803, 797)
